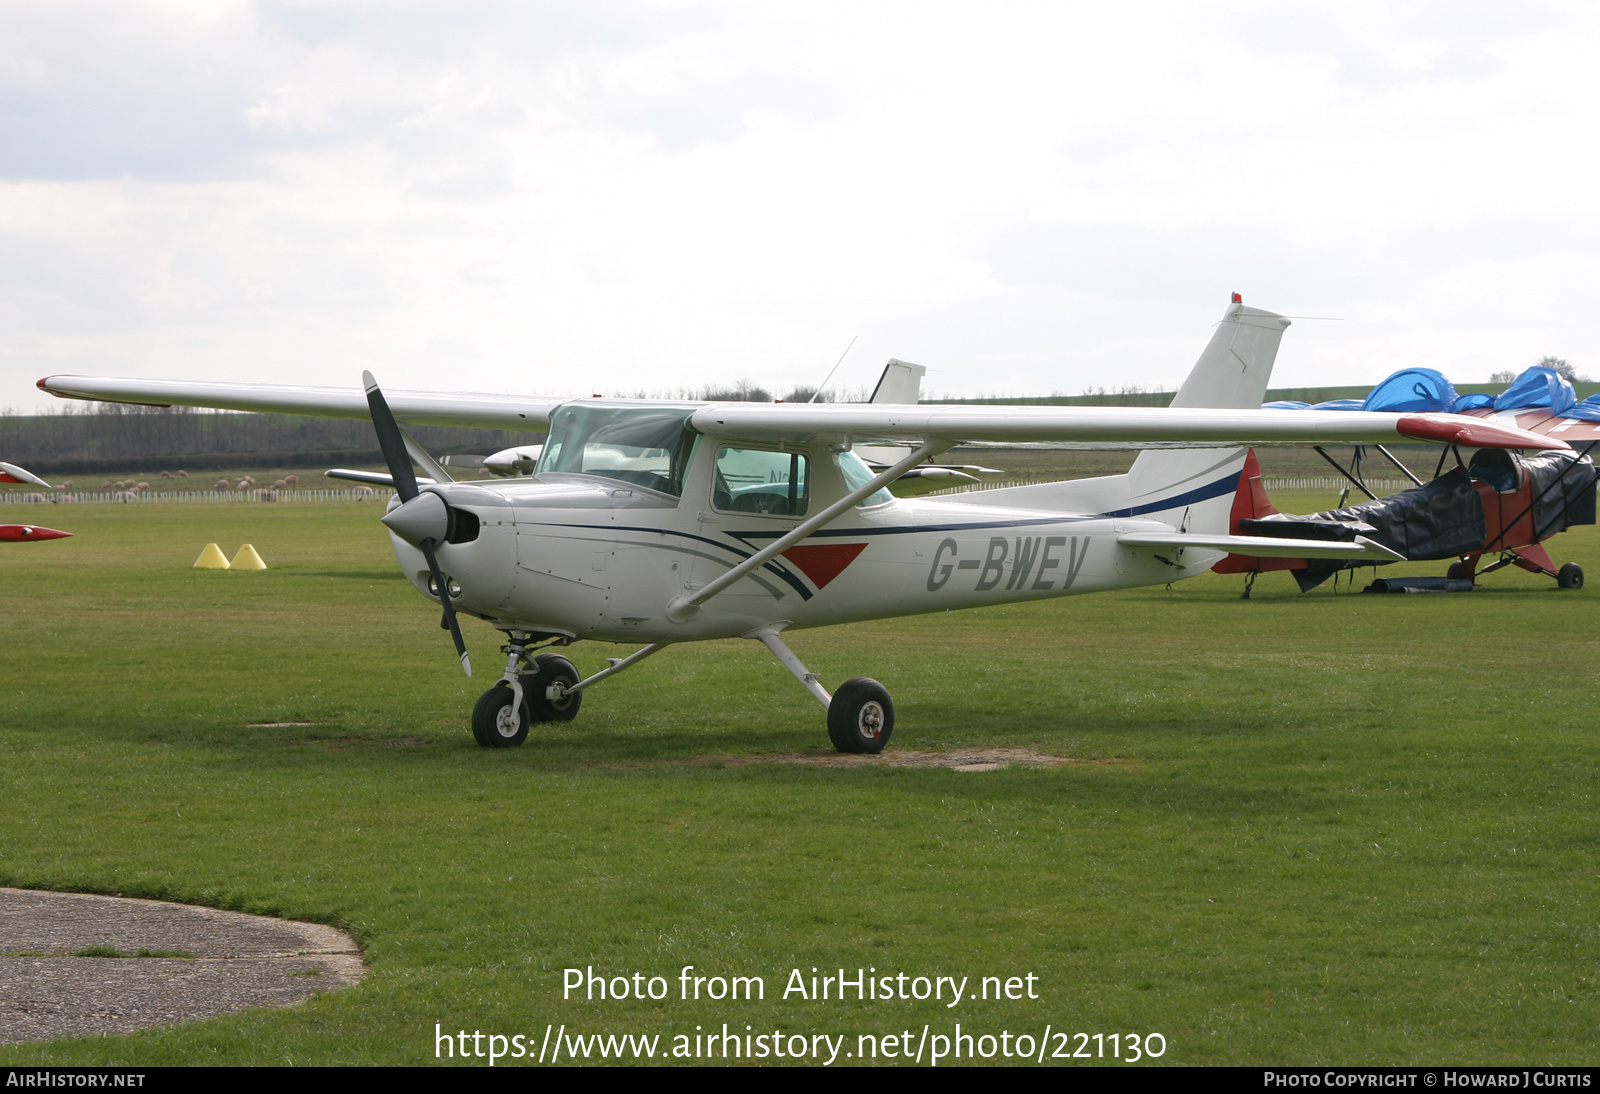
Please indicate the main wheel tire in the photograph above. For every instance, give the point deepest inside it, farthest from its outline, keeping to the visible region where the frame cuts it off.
(495, 724)
(861, 716)
(1570, 576)
(1459, 571)
(548, 668)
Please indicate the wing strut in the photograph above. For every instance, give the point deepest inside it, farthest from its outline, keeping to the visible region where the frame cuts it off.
(687, 607)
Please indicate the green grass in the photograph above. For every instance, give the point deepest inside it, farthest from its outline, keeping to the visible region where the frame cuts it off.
(1326, 828)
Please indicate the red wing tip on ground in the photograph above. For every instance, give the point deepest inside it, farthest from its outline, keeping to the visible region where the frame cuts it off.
(24, 533)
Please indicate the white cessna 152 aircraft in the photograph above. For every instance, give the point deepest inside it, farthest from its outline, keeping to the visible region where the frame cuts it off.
(658, 523)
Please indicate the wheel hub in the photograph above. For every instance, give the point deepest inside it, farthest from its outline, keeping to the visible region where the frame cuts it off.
(507, 721)
(870, 720)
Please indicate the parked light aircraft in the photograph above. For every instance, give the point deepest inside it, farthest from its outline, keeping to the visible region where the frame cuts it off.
(654, 523)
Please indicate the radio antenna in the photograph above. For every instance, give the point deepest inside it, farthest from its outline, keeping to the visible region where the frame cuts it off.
(832, 370)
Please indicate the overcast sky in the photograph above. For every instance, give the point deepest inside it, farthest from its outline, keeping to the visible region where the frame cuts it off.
(597, 197)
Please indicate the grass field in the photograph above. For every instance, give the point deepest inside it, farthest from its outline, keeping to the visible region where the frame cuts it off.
(1326, 828)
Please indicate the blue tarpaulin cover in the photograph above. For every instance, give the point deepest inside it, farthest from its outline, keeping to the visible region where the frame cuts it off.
(1588, 410)
(1537, 387)
(1475, 401)
(1286, 404)
(1412, 389)
(1340, 404)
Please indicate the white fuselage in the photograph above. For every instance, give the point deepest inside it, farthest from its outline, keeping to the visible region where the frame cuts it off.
(589, 557)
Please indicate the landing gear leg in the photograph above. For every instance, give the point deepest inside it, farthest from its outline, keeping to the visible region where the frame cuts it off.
(502, 715)
(860, 714)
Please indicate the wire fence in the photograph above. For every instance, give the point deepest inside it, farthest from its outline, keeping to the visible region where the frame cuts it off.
(191, 497)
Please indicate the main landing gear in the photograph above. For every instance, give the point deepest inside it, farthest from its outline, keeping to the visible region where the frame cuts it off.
(546, 687)
(1533, 558)
(860, 713)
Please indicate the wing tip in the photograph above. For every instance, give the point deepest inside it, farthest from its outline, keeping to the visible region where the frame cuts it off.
(1460, 429)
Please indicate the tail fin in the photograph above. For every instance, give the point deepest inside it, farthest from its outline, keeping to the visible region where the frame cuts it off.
(901, 382)
(1190, 488)
(1193, 488)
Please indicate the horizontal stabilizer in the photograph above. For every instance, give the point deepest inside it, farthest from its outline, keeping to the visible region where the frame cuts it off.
(1263, 547)
(377, 478)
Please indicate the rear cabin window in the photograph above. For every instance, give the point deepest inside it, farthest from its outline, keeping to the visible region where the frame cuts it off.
(640, 446)
(758, 480)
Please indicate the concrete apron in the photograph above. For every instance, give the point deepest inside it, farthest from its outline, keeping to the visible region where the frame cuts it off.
(232, 961)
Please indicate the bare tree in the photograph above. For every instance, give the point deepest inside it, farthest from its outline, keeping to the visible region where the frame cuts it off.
(1563, 369)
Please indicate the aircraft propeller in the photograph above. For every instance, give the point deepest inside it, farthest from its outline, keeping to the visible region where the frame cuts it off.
(422, 520)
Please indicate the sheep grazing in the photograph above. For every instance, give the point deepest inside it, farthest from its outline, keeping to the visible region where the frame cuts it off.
(124, 496)
(280, 484)
(223, 484)
(266, 495)
(66, 485)
(182, 474)
(364, 491)
(34, 497)
(166, 474)
(143, 486)
(292, 480)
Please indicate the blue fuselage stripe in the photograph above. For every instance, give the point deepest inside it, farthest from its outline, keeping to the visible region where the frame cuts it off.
(1225, 485)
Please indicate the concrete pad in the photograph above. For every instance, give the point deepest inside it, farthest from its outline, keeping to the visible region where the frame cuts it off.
(235, 961)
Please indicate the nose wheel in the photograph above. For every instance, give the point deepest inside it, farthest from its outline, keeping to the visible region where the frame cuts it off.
(541, 687)
(500, 720)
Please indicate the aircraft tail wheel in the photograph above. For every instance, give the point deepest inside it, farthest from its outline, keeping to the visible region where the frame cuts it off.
(1459, 571)
(1570, 576)
(547, 669)
(861, 716)
(495, 723)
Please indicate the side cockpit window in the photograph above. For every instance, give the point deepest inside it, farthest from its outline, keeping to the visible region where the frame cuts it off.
(759, 480)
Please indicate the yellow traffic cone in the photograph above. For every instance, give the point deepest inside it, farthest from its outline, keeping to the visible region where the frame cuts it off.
(247, 559)
(211, 558)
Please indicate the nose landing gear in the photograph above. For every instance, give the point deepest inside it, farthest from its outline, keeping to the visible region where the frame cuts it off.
(535, 688)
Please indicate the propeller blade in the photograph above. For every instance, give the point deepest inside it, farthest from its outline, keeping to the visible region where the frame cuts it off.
(449, 608)
(429, 520)
(391, 440)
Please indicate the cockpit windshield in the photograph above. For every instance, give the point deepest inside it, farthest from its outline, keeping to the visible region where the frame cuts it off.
(642, 446)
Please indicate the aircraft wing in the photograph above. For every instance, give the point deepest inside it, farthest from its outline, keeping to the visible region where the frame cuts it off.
(799, 422)
(412, 407)
(802, 422)
(1575, 431)
(1264, 547)
(10, 472)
